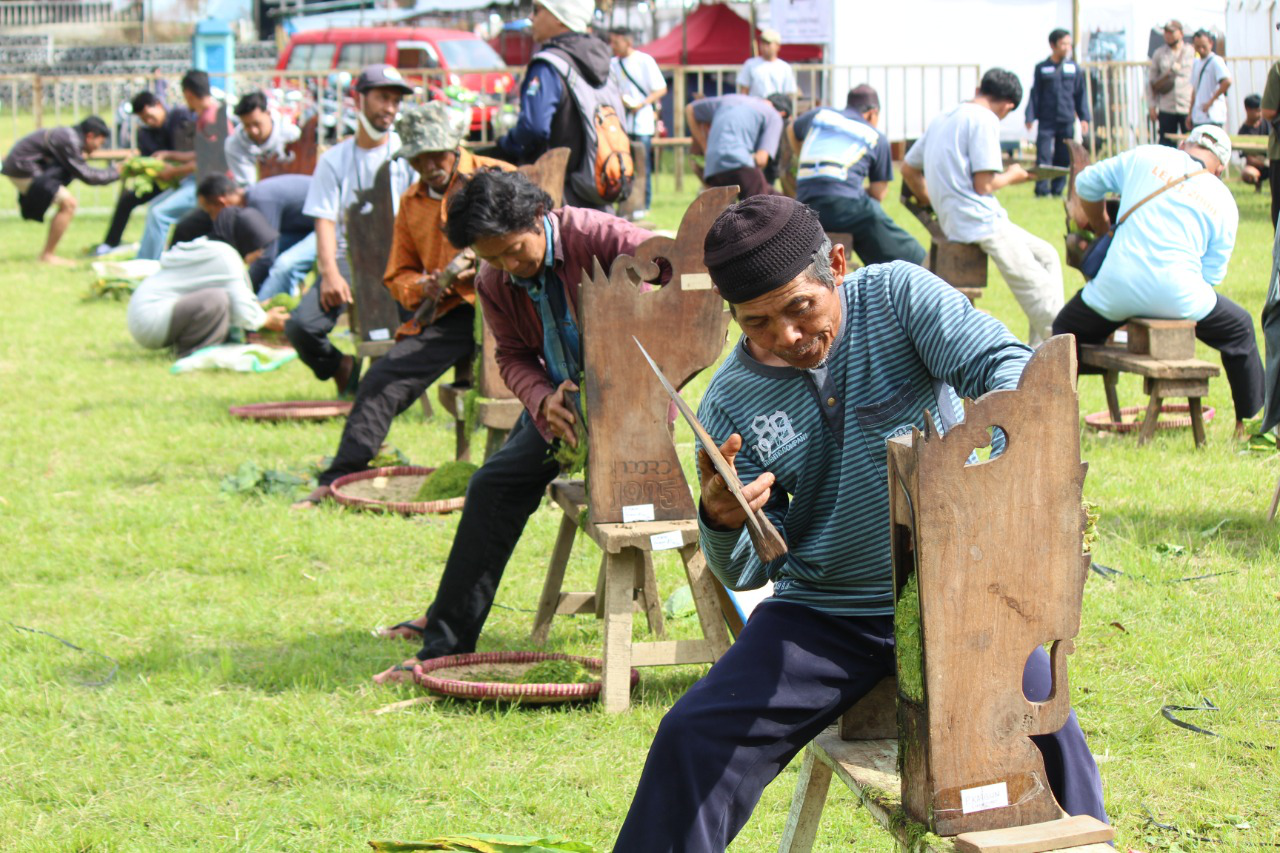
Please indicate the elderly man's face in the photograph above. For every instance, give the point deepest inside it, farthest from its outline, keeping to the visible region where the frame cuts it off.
(798, 322)
(435, 168)
(520, 253)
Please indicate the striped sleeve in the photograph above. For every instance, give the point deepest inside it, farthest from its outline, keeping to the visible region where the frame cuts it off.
(971, 351)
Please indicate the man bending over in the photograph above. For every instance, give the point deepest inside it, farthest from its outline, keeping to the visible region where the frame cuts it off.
(845, 362)
(529, 282)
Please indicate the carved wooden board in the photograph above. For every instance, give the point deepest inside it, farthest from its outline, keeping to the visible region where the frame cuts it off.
(632, 468)
(548, 172)
(369, 223)
(211, 146)
(997, 551)
(299, 156)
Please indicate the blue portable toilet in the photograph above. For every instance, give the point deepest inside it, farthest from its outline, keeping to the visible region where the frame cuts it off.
(213, 49)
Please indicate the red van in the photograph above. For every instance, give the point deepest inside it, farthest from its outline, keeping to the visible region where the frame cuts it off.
(352, 48)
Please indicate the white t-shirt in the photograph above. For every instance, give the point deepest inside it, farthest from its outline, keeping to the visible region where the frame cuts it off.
(1206, 74)
(957, 144)
(644, 68)
(346, 169)
(767, 78)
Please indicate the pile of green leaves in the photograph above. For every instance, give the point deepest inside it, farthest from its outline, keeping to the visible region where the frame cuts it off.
(114, 289)
(140, 175)
(447, 482)
(286, 301)
(252, 479)
(1091, 515)
(389, 457)
(910, 641)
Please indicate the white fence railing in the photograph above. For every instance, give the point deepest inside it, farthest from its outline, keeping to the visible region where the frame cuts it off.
(35, 13)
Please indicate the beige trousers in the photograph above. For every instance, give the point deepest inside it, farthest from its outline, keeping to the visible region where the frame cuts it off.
(1033, 271)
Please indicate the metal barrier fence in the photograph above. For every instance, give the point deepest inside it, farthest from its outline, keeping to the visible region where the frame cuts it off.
(1119, 97)
(909, 95)
(35, 13)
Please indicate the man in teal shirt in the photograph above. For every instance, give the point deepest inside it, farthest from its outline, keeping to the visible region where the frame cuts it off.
(830, 366)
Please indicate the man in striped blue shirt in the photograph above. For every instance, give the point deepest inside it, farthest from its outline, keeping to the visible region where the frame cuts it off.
(829, 367)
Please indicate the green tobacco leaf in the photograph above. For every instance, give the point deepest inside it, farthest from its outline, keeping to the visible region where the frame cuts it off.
(680, 603)
(1170, 550)
(1213, 531)
(484, 843)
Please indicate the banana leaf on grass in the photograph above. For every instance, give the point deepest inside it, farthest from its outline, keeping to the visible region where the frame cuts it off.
(484, 843)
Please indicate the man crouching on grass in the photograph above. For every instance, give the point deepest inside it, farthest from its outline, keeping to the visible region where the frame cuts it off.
(529, 282)
(829, 366)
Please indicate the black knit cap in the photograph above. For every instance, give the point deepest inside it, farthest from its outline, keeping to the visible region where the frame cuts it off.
(760, 244)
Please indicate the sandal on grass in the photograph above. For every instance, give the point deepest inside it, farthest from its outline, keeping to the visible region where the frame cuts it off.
(386, 633)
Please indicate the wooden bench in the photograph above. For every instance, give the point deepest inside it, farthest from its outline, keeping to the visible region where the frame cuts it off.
(869, 768)
(1162, 352)
(496, 408)
(626, 582)
(961, 265)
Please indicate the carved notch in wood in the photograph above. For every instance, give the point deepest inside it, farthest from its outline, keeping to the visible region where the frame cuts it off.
(632, 461)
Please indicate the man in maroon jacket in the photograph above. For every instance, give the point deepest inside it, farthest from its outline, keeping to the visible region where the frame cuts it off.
(528, 285)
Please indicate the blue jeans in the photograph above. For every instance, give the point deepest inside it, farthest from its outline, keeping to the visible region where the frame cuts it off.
(166, 209)
(290, 267)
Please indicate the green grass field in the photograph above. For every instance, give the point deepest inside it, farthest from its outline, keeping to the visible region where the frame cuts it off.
(238, 717)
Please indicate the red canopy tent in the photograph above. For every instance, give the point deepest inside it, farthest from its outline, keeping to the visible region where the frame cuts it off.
(719, 36)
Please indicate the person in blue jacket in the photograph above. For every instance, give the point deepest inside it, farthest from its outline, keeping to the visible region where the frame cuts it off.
(1058, 98)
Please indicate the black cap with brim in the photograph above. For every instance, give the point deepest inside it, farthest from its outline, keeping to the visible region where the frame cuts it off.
(382, 77)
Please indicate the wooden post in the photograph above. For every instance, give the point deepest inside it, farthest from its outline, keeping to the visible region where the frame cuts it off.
(37, 100)
(677, 119)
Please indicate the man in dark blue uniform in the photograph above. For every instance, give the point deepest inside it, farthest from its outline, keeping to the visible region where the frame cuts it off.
(1058, 97)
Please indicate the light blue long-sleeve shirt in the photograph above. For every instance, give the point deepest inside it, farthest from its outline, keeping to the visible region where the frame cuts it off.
(1168, 256)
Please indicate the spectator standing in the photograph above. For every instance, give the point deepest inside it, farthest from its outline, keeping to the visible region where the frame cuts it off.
(567, 77)
(738, 134)
(280, 199)
(1255, 170)
(171, 205)
(642, 86)
(262, 135)
(843, 149)
(956, 168)
(1211, 80)
(345, 169)
(1169, 84)
(1058, 97)
(1269, 112)
(41, 165)
(1170, 255)
(766, 74)
(164, 130)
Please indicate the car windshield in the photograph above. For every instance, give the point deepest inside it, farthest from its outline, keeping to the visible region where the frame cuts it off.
(466, 54)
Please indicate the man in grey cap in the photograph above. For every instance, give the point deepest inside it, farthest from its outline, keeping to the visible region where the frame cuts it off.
(426, 346)
(345, 169)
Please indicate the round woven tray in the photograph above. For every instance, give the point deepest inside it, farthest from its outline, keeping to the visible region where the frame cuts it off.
(390, 490)
(443, 675)
(293, 410)
(1102, 420)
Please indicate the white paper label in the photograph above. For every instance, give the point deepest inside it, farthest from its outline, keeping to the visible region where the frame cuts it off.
(379, 334)
(984, 797)
(637, 512)
(695, 281)
(666, 541)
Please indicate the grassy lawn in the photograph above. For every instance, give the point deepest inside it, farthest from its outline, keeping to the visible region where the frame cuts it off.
(237, 719)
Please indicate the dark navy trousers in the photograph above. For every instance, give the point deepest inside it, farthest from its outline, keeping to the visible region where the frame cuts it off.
(791, 673)
(1051, 150)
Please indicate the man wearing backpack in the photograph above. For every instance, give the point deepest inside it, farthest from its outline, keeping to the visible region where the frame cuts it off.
(569, 99)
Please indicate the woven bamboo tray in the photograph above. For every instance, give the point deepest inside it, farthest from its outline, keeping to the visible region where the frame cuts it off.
(444, 675)
(390, 489)
(293, 410)
(1102, 420)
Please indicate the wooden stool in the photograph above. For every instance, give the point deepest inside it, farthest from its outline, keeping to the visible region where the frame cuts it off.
(869, 768)
(961, 265)
(1162, 352)
(496, 408)
(627, 580)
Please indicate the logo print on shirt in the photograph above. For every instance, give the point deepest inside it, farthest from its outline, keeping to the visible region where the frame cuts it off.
(774, 434)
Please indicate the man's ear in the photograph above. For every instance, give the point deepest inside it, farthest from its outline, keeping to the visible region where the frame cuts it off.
(839, 263)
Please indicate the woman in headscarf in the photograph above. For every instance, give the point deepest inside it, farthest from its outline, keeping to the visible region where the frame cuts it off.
(203, 289)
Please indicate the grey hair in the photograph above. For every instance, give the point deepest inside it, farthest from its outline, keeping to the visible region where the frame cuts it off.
(819, 268)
